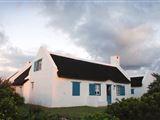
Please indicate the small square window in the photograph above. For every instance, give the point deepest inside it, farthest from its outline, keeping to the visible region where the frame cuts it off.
(120, 90)
(132, 91)
(38, 65)
(95, 89)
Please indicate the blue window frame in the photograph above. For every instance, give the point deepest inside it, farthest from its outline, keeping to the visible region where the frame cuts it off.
(76, 88)
(120, 90)
(132, 91)
(95, 89)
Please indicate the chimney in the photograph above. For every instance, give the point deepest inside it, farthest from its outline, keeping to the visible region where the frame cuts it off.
(115, 60)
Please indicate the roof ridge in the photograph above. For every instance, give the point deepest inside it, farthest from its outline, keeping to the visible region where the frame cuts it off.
(84, 60)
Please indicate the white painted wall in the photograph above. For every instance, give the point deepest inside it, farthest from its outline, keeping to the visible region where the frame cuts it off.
(18, 90)
(138, 92)
(26, 91)
(41, 93)
(63, 93)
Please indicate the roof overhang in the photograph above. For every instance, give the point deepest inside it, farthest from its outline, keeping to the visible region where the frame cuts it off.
(84, 70)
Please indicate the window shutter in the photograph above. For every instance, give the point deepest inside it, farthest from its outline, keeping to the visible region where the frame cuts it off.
(76, 88)
(122, 90)
(91, 89)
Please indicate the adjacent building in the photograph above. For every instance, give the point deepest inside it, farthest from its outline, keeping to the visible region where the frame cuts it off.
(139, 84)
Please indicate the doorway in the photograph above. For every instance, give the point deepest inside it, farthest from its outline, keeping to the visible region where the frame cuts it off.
(109, 94)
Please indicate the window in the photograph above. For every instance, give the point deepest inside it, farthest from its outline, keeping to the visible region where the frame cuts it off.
(98, 89)
(38, 65)
(132, 91)
(95, 89)
(120, 89)
(76, 88)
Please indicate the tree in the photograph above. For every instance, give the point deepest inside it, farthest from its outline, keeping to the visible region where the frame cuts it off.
(154, 86)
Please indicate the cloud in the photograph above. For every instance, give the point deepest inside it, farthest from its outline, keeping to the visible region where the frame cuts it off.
(16, 57)
(3, 39)
(128, 29)
(11, 58)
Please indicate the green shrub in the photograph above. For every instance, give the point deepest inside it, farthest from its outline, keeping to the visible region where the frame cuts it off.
(9, 101)
(151, 106)
(99, 116)
(129, 109)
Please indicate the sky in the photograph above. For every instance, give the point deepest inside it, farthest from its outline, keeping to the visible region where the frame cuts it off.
(93, 30)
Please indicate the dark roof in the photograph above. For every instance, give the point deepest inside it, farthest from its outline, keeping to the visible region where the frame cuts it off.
(83, 70)
(20, 80)
(136, 81)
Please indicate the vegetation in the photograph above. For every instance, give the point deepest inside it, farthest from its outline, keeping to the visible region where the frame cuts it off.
(147, 107)
(9, 101)
(71, 113)
(155, 86)
(99, 116)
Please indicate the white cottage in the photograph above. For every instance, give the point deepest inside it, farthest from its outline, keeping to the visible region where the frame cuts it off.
(54, 80)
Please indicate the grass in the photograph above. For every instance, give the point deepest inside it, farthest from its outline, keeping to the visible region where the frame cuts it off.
(77, 111)
(71, 112)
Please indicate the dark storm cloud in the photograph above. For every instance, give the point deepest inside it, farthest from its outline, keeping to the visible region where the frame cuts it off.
(128, 29)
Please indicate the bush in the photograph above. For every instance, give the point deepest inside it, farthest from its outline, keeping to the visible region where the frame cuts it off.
(9, 101)
(99, 116)
(128, 109)
(152, 106)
